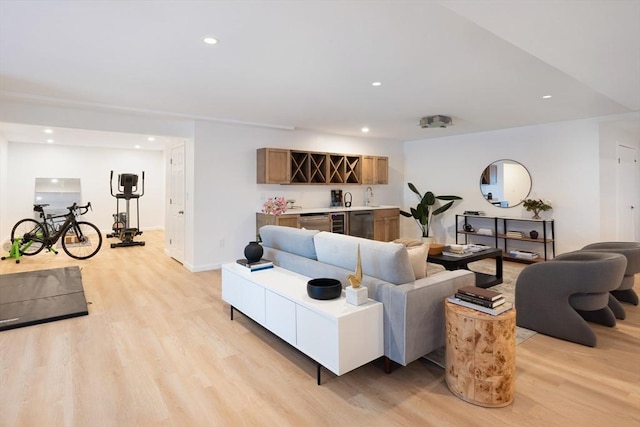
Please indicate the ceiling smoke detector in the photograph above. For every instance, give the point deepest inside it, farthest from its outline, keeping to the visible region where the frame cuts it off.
(435, 122)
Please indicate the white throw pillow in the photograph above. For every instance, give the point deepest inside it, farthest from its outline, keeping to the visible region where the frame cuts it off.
(418, 257)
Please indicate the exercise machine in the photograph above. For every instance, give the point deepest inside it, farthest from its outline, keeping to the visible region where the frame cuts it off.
(127, 184)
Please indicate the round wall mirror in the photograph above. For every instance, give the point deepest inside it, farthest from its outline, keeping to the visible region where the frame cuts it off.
(505, 183)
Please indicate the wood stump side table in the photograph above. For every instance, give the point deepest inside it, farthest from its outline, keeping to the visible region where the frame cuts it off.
(481, 355)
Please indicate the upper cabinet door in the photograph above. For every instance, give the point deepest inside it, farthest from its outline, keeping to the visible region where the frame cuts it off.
(375, 170)
(273, 166)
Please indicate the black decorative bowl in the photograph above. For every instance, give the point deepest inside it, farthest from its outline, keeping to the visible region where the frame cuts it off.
(324, 288)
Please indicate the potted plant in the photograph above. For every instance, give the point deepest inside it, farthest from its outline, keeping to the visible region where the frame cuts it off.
(536, 205)
(425, 209)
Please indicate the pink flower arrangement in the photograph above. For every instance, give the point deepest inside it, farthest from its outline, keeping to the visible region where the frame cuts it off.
(275, 206)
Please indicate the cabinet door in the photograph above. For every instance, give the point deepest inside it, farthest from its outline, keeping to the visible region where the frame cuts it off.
(231, 288)
(375, 170)
(393, 227)
(368, 169)
(382, 170)
(244, 295)
(272, 166)
(280, 317)
(386, 224)
(252, 304)
(317, 337)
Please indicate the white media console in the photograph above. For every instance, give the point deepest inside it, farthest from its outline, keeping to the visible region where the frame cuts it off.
(337, 335)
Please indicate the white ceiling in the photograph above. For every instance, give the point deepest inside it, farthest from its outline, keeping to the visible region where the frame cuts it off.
(310, 64)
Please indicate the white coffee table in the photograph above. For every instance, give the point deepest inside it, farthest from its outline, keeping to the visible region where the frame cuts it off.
(337, 335)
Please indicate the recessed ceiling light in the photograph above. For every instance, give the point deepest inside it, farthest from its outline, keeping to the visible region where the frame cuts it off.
(365, 129)
(151, 138)
(209, 40)
(50, 141)
(48, 131)
(546, 96)
(136, 146)
(376, 84)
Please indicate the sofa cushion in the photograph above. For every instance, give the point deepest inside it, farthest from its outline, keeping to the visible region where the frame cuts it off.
(289, 239)
(418, 252)
(383, 260)
(418, 257)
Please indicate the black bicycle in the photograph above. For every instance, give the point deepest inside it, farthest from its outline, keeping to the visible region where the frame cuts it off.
(80, 239)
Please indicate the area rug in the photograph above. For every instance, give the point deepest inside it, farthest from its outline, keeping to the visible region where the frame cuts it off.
(510, 272)
(35, 297)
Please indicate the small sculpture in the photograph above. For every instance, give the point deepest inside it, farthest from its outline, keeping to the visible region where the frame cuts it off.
(356, 279)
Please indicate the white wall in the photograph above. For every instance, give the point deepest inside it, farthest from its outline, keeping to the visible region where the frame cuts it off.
(4, 193)
(226, 196)
(563, 159)
(611, 136)
(92, 165)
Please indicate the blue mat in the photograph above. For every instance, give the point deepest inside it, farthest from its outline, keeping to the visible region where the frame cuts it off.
(35, 297)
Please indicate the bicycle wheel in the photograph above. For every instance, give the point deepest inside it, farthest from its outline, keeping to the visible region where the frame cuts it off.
(81, 240)
(32, 235)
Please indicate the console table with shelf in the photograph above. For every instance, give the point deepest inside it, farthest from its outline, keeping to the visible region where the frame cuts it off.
(499, 227)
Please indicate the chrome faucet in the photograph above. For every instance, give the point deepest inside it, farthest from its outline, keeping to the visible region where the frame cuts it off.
(368, 196)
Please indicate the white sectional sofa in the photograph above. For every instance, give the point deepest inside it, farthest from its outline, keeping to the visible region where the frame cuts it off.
(414, 322)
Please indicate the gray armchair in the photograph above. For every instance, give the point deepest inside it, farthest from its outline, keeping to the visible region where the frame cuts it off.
(558, 297)
(624, 292)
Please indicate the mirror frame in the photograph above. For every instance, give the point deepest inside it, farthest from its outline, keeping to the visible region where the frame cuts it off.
(490, 176)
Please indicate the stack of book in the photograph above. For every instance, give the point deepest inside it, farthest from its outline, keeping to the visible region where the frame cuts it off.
(480, 299)
(255, 266)
(514, 234)
(523, 254)
(479, 213)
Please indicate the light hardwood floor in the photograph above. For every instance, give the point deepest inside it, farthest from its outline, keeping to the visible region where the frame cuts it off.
(158, 349)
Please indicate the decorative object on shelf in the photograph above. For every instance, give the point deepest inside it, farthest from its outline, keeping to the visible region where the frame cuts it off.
(533, 234)
(424, 210)
(253, 252)
(356, 279)
(469, 228)
(485, 231)
(324, 288)
(514, 234)
(537, 206)
(356, 295)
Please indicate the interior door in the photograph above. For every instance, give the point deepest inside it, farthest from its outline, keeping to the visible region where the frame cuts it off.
(176, 204)
(628, 195)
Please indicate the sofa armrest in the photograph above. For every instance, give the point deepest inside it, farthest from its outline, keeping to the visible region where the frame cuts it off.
(414, 321)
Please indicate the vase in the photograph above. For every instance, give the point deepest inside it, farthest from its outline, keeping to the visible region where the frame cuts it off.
(536, 213)
(253, 252)
(533, 234)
